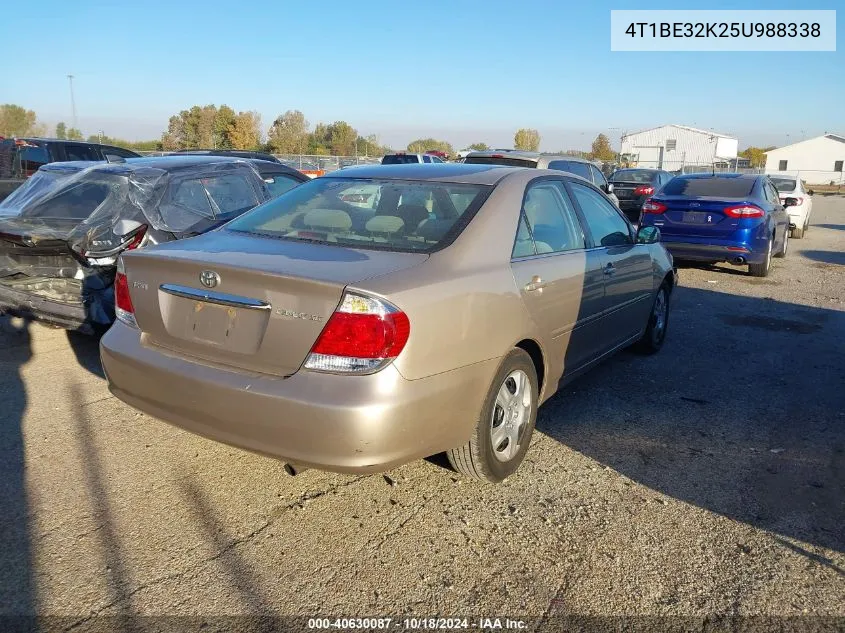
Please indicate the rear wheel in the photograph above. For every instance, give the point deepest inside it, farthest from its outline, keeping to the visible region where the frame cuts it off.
(762, 270)
(797, 233)
(504, 428)
(658, 322)
(785, 246)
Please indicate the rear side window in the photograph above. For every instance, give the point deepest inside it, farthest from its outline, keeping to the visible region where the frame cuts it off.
(278, 184)
(81, 152)
(715, 187)
(401, 215)
(500, 160)
(31, 158)
(573, 167)
(215, 195)
(551, 218)
(399, 159)
(118, 152)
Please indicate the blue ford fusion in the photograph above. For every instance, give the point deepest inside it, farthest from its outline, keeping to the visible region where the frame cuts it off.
(733, 218)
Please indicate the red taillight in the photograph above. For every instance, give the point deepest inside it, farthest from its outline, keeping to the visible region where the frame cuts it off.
(644, 190)
(136, 240)
(744, 211)
(123, 309)
(653, 206)
(497, 156)
(362, 335)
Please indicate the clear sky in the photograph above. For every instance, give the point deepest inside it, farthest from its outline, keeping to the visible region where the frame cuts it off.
(461, 70)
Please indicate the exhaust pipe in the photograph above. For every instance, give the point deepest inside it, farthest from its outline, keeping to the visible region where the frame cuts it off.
(293, 470)
(739, 261)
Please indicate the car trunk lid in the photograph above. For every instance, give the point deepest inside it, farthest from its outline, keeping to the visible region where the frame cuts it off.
(697, 216)
(268, 302)
(37, 249)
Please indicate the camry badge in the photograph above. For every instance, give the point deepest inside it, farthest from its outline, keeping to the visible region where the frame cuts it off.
(209, 279)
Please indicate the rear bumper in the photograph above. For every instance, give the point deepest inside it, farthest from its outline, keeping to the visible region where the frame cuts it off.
(32, 306)
(708, 250)
(338, 423)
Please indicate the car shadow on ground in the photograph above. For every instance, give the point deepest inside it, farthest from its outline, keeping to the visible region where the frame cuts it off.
(17, 588)
(836, 227)
(742, 413)
(717, 269)
(86, 348)
(826, 257)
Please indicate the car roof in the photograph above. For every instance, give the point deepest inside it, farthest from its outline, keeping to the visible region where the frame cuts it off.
(722, 175)
(164, 163)
(442, 172)
(43, 139)
(520, 154)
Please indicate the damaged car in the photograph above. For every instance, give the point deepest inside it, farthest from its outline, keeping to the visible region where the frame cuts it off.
(61, 233)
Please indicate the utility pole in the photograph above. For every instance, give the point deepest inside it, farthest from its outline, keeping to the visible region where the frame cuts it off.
(72, 102)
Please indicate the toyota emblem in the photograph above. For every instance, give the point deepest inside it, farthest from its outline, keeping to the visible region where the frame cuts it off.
(209, 278)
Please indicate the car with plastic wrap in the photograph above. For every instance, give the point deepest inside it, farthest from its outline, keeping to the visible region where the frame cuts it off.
(61, 233)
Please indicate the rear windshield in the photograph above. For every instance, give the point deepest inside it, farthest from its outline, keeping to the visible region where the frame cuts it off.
(500, 160)
(400, 159)
(634, 175)
(399, 215)
(784, 184)
(715, 187)
(78, 199)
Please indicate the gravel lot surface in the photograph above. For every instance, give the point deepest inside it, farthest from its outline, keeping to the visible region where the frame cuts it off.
(709, 479)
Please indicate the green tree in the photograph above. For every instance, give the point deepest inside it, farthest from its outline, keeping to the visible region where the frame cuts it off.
(421, 145)
(342, 137)
(16, 120)
(601, 149)
(479, 147)
(756, 155)
(61, 130)
(318, 140)
(527, 139)
(222, 125)
(245, 131)
(74, 135)
(289, 133)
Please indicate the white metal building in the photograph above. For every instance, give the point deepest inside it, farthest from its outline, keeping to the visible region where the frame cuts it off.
(678, 146)
(817, 161)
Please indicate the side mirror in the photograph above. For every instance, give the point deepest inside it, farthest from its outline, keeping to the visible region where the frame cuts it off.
(790, 202)
(810, 191)
(608, 188)
(648, 235)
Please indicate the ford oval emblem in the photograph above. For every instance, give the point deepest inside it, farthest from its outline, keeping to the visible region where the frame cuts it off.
(209, 279)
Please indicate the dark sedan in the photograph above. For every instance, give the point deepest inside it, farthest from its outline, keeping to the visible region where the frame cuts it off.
(634, 186)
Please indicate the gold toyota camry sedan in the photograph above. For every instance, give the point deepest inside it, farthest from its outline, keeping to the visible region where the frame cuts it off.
(383, 314)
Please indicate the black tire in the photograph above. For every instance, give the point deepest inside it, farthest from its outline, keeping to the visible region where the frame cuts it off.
(476, 458)
(797, 233)
(785, 247)
(655, 333)
(762, 270)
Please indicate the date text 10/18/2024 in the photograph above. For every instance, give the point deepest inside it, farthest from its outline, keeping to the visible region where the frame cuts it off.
(416, 624)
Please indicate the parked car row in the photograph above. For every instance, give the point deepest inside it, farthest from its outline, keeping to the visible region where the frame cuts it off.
(377, 314)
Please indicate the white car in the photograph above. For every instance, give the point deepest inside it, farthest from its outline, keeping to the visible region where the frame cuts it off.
(799, 215)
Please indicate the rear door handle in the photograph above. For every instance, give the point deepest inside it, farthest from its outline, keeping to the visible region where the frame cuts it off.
(536, 283)
(610, 269)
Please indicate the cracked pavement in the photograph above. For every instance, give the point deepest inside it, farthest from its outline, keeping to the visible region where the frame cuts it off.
(705, 480)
